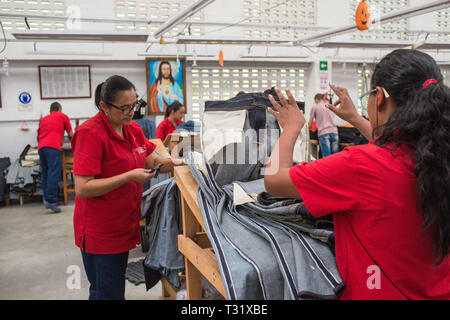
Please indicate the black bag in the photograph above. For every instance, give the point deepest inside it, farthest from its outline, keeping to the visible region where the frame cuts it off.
(4, 164)
(351, 135)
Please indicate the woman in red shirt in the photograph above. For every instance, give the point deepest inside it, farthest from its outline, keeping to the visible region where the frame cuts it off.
(172, 119)
(390, 199)
(112, 159)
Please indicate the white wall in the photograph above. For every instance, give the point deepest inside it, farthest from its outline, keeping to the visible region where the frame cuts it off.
(23, 76)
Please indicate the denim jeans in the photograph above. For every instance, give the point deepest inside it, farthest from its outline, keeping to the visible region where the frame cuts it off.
(161, 208)
(260, 256)
(106, 274)
(329, 143)
(51, 162)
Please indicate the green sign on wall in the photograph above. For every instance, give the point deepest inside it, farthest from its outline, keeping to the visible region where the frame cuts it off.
(323, 65)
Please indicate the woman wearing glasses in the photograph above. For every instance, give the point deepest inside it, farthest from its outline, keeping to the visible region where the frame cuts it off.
(112, 159)
(390, 198)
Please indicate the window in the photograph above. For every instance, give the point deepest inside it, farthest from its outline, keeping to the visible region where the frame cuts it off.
(211, 83)
(289, 12)
(364, 74)
(446, 74)
(33, 7)
(443, 24)
(155, 9)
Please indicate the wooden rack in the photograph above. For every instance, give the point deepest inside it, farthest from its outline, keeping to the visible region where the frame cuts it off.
(194, 243)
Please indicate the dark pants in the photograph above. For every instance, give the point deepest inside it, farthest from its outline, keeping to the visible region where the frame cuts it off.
(51, 162)
(106, 274)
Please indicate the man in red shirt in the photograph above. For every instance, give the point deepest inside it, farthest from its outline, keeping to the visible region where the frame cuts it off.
(50, 138)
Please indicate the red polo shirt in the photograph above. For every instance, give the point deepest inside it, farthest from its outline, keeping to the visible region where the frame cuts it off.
(165, 128)
(110, 223)
(381, 251)
(51, 130)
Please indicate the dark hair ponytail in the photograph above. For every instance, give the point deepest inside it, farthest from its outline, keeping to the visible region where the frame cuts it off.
(173, 107)
(107, 91)
(421, 120)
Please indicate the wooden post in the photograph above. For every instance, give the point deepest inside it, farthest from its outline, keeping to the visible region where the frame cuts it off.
(193, 276)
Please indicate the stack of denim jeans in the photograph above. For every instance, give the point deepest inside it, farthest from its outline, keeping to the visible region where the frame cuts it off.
(161, 209)
(265, 251)
(257, 131)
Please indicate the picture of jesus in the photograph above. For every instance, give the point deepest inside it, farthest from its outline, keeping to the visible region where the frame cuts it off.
(166, 84)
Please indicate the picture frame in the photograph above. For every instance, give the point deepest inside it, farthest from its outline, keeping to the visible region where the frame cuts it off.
(166, 83)
(58, 82)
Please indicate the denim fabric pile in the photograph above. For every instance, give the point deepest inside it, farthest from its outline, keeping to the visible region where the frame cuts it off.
(267, 247)
(161, 209)
(266, 251)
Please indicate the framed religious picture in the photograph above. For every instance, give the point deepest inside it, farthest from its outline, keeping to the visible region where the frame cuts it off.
(166, 83)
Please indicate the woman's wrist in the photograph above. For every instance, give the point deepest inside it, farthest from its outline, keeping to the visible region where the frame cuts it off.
(293, 130)
(128, 176)
(356, 120)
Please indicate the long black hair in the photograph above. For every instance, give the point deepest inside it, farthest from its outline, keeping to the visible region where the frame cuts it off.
(160, 71)
(107, 91)
(175, 106)
(421, 120)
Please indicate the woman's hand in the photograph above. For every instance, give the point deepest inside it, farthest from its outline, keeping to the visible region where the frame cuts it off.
(140, 175)
(346, 110)
(177, 161)
(288, 114)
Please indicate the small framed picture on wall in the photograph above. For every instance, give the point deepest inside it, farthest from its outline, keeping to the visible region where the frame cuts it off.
(65, 82)
(166, 83)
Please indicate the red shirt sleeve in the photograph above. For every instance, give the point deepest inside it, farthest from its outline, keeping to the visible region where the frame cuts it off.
(88, 152)
(150, 147)
(161, 131)
(329, 185)
(67, 125)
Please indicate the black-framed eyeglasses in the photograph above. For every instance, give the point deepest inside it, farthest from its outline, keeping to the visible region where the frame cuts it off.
(364, 98)
(126, 109)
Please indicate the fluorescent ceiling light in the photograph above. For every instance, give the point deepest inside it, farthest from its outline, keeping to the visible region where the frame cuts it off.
(273, 57)
(238, 41)
(357, 44)
(206, 55)
(390, 17)
(180, 17)
(428, 45)
(81, 36)
(66, 53)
